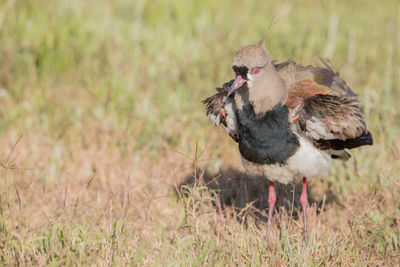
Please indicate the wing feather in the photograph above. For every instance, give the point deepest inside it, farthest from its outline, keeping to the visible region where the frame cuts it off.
(329, 111)
(214, 106)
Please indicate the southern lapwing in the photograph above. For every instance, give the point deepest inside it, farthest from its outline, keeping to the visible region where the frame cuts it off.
(289, 120)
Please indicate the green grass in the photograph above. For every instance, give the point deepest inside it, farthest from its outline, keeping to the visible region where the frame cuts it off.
(100, 121)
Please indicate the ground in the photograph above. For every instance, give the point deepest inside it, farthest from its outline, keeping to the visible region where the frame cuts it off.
(107, 157)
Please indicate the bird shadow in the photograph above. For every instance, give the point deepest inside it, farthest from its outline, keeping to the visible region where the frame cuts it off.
(238, 190)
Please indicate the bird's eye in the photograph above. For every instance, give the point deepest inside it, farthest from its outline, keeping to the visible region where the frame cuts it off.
(255, 70)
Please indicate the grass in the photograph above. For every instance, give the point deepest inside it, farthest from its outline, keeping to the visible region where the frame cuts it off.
(101, 122)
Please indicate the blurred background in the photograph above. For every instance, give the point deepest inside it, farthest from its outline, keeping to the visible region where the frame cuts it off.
(101, 119)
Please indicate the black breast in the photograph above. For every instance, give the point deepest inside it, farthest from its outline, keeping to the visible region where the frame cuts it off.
(266, 140)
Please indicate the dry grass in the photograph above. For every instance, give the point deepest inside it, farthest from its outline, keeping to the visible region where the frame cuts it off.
(107, 158)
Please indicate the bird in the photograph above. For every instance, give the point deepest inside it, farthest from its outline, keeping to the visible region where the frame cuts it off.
(289, 120)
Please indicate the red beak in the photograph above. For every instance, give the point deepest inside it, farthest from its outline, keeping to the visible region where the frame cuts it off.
(239, 81)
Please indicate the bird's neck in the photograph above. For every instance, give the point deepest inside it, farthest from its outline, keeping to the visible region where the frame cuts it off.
(267, 91)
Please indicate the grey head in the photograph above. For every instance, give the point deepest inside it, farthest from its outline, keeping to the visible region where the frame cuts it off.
(250, 57)
(252, 66)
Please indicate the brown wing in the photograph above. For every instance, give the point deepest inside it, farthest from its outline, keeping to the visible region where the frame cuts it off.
(325, 75)
(331, 117)
(213, 110)
(303, 90)
(214, 102)
(328, 111)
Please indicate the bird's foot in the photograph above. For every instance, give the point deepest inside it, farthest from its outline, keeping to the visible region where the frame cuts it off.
(271, 204)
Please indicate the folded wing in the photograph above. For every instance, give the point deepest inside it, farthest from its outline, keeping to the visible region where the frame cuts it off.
(328, 112)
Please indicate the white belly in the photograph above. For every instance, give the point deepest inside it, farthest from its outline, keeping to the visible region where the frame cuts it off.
(308, 161)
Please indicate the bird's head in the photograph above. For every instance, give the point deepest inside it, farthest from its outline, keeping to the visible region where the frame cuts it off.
(249, 65)
(264, 87)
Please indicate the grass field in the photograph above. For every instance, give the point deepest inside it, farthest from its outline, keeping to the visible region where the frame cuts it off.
(106, 157)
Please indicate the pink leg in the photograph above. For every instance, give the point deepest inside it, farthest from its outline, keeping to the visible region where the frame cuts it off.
(271, 204)
(304, 204)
